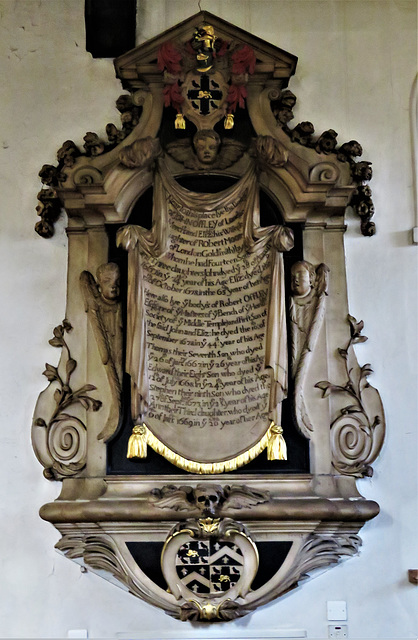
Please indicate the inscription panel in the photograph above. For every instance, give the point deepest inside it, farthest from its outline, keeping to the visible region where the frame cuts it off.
(206, 309)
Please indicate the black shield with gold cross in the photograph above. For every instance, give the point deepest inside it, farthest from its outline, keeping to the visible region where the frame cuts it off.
(204, 98)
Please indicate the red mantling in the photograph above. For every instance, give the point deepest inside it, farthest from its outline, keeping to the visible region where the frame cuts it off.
(169, 58)
(243, 60)
(172, 96)
(236, 97)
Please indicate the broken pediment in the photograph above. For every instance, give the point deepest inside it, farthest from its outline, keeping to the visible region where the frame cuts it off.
(142, 63)
(207, 333)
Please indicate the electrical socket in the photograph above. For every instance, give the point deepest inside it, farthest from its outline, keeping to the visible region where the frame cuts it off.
(337, 631)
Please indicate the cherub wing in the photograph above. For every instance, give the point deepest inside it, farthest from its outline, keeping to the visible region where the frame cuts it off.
(92, 305)
(89, 290)
(230, 152)
(182, 151)
(305, 335)
(241, 497)
(321, 284)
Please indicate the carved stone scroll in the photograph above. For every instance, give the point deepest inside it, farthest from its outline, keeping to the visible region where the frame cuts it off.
(358, 431)
(60, 440)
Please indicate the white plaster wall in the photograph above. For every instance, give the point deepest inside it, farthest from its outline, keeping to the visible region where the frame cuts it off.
(357, 62)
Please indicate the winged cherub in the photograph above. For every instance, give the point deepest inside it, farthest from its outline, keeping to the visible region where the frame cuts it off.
(207, 151)
(309, 289)
(101, 299)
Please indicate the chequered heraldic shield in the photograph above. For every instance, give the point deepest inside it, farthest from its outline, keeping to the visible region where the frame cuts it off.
(209, 566)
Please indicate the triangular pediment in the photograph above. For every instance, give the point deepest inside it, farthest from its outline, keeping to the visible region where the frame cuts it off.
(140, 64)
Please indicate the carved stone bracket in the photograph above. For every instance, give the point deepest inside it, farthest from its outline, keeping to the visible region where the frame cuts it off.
(191, 541)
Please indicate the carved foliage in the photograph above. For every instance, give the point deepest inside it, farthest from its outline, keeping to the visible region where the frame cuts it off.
(357, 432)
(100, 553)
(282, 104)
(64, 441)
(49, 206)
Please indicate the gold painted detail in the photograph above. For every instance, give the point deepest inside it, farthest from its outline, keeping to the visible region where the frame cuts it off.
(229, 121)
(207, 611)
(272, 439)
(137, 444)
(223, 578)
(209, 525)
(192, 553)
(180, 122)
(276, 448)
(204, 94)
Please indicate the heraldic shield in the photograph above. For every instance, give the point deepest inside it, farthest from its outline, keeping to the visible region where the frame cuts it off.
(207, 334)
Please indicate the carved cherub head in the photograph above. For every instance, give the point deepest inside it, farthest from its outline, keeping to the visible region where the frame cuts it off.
(108, 279)
(302, 278)
(206, 143)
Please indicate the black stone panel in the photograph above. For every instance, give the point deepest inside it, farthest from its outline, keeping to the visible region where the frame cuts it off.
(110, 27)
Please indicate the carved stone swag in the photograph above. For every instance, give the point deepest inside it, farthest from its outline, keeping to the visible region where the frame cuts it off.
(197, 82)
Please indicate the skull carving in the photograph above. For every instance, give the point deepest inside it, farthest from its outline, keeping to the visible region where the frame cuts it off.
(208, 498)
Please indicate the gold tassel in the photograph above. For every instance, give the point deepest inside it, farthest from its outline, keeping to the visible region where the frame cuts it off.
(229, 121)
(137, 445)
(180, 122)
(276, 447)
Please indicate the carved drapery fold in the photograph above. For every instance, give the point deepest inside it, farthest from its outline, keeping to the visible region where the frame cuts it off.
(153, 246)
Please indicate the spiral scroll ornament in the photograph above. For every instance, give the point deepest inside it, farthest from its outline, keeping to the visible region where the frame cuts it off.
(351, 444)
(67, 442)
